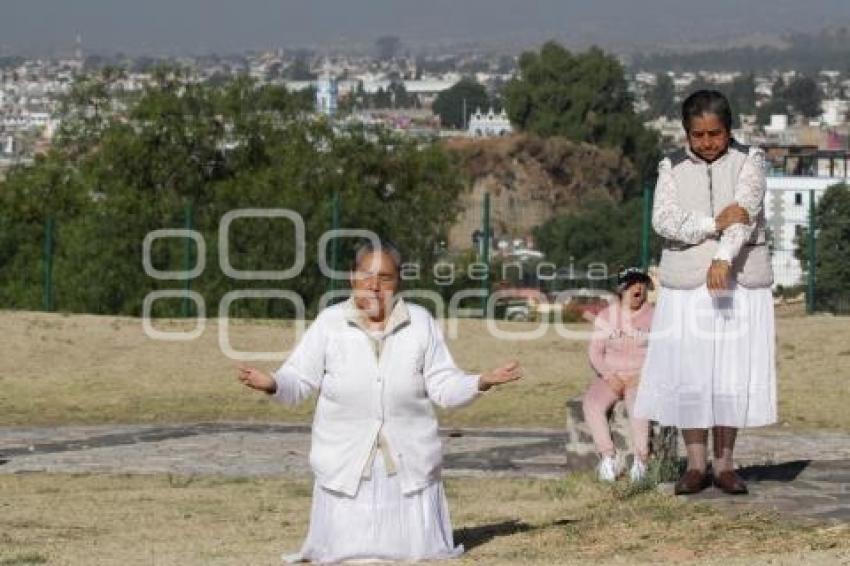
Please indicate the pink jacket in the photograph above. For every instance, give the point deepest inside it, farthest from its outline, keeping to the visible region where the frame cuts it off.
(620, 339)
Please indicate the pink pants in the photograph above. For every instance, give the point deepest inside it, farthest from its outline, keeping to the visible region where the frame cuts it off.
(598, 399)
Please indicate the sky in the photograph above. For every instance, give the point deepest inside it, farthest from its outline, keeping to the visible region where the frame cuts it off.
(159, 27)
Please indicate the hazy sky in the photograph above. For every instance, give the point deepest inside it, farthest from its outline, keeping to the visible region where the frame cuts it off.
(163, 26)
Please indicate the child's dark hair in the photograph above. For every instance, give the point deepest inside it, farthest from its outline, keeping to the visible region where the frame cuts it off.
(706, 102)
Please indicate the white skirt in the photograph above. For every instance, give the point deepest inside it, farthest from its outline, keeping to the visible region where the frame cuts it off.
(379, 523)
(710, 361)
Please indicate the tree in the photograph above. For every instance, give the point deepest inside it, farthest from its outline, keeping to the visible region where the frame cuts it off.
(214, 149)
(576, 238)
(774, 106)
(86, 110)
(583, 97)
(450, 104)
(662, 97)
(832, 246)
(809, 53)
(742, 94)
(804, 96)
(399, 96)
(299, 70)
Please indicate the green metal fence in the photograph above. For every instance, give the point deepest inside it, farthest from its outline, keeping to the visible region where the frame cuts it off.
(794, 244)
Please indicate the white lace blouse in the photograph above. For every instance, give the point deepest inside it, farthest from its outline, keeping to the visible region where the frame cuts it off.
(673, 222)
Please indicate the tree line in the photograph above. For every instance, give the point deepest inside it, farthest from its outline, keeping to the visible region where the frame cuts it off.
(123, 167)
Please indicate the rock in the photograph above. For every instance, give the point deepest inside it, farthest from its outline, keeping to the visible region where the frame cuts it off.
(581, 452)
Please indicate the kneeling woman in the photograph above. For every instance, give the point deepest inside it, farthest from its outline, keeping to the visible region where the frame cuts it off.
(378, 365)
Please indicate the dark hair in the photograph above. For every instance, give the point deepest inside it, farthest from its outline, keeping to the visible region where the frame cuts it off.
(706, 102)
(629, 276)
(367, 246)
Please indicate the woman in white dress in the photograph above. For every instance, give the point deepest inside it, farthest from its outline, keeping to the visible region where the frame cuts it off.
(711, 357)
(378, 365)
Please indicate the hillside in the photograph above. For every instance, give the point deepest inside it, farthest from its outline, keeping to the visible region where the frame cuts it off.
(531, 179)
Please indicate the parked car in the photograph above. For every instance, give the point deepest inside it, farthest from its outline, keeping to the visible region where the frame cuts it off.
(584, 304)
(520, 304)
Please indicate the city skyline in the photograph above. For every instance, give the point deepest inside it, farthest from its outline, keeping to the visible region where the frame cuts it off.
(156, 27)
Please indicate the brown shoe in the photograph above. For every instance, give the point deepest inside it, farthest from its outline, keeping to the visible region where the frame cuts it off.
(730, 483)
(692, 481)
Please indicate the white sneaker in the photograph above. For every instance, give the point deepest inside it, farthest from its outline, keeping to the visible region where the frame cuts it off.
(607, 470)
(638, 471)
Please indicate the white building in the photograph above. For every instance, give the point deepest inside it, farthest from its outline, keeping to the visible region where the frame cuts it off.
(778, 123)
(36, 120)
(786, 208)
(327, 94)
(489, 124)
(8, 145)
(835, 112)
(428, 89)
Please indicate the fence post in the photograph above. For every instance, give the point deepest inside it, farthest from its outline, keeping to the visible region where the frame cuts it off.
(186, 307)
(646, 225)
(811, 240)
(485, 255)
(335, 241)
(48, 265)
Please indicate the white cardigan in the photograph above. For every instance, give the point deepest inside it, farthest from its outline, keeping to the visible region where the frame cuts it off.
(361, 395)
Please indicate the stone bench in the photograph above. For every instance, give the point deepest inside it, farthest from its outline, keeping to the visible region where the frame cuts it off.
(581, 452)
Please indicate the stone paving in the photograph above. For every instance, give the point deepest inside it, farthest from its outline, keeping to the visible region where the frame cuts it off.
(804, 474)
(818, 490)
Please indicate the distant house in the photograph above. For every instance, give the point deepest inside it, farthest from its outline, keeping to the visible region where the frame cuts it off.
(796, 175)
(487, 125)
(428, 89)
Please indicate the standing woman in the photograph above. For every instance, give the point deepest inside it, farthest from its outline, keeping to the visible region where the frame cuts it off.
(378, 365)
(711, 357)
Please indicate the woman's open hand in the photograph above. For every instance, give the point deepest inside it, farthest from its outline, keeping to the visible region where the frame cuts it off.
(508, 372)
(256, 379)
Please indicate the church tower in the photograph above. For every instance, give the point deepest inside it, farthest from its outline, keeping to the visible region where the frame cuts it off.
(326, 92)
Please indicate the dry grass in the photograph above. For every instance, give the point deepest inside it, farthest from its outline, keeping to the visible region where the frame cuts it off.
(59, 369)
(164, 520)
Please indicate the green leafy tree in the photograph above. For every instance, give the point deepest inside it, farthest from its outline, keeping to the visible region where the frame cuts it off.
(211, 149)
(299, 69)
(577, 239)
(29, 197)
(661, 98)
(804, 96)
(742, 94)
(450, 104)
(86, 110)
(583, 97)
(832, 246)
(775, 105)
(394, 96)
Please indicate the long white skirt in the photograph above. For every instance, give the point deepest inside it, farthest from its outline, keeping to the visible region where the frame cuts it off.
(379, 523)
(710, 361)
